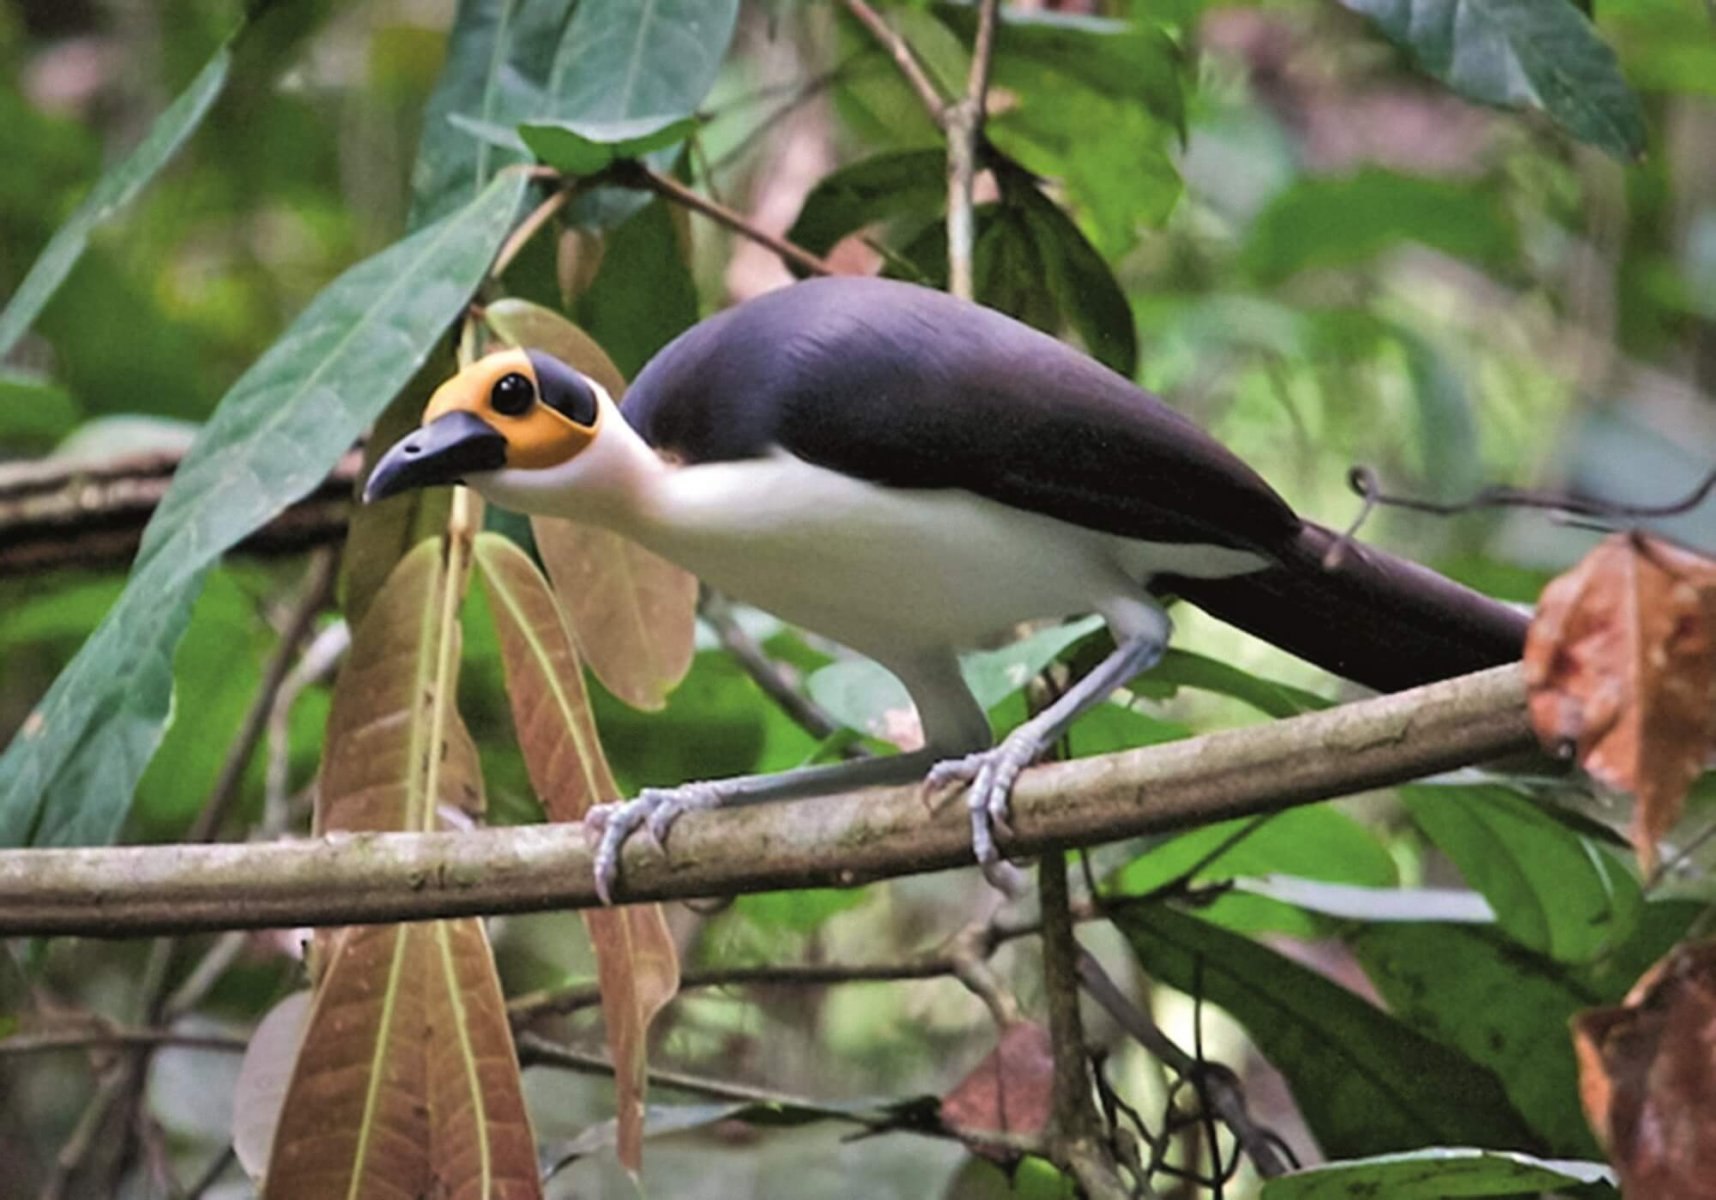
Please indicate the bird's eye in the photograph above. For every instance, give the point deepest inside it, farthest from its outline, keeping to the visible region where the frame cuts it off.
(512, 395)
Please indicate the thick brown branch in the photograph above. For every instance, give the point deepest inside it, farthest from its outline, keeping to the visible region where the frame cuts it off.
(833, 840)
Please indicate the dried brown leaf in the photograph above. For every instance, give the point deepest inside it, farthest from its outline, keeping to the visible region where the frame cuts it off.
(1647, 1076)
(637, 965)
(407, 1084)
(384, 767)
(1010, 1091)
(634, 614)
(1620, 664)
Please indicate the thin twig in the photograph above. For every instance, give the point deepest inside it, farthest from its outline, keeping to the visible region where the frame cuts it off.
(639, 176)
(768, 675)
(313, 596)
(1226, 1097)
(964, 124)
(528, 228)
(904, 58)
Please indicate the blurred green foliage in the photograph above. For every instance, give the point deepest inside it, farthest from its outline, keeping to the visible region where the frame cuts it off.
(1269, 213)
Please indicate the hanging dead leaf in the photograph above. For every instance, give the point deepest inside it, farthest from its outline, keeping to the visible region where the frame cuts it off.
(407, 1083)
(633, 613)
(397, 747)
(637, 965)
(1620, 664)
(1647, 1076)
(1010, 1091)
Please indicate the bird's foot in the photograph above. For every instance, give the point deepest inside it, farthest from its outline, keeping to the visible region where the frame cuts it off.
(990, 775)
(610, 826)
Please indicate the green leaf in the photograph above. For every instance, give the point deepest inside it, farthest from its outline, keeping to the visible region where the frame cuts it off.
(1184, 668)
(625, 59)
(69, 776)
(863, 695)
(1319, 223)
(117, 188)
(1083, 286)
(801, 911)
(1097, 105)
(1532, 54)
(1314, 842)
(643, 295)
(1553, 890)
(884, 187)
(1365, 1082)
(498, 58)
(586, 147)
(33, 408)
(1468, 987)
(1434, 1174)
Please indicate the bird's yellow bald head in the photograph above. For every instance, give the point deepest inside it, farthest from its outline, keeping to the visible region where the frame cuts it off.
(545, 410)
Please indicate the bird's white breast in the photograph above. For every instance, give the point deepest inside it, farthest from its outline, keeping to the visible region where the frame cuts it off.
(890, 571)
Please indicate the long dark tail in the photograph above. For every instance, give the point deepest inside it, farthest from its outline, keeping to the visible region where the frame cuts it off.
(1374, 618)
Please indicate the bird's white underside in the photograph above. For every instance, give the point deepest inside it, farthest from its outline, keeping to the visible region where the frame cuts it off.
(906, 577)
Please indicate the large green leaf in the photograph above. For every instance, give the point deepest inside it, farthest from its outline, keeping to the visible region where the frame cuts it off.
(1533, 54)
(1317, 842)
(625, 59)
(117, 188)
(1436, 1174)
(498, 58)
(643, 295)
(1365, 1082)
(1096, 104)
(1553, 890)
(1339, 222)
(1505, 1008)
(883, 187)
(69, 776)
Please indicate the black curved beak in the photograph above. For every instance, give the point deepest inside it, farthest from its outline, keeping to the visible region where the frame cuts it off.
(443, 451)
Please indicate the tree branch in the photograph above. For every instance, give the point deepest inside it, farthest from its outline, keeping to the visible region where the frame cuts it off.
(91, 515)
(964, 125)
(637, 175)
(833, 840)
(904, 58)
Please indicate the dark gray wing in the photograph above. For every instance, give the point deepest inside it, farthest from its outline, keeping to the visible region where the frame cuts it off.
(912, 388)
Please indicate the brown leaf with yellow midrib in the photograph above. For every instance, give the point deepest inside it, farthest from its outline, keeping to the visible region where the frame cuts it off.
(407, 1084)
(637, 965)
(633, 613)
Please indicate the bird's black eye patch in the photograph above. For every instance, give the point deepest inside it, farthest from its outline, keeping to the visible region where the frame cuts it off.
(512, 395)
(563, 389)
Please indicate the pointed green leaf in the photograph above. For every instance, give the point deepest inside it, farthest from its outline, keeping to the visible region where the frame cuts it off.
(116, 189)
(498, 58)
(586, 147)
(1435, 1174)
(1554, 890)
(1531, 54)
(68, 777)
(902, 183)
(623, 59)
(1365, 1081)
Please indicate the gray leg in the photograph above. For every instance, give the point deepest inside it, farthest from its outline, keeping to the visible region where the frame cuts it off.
(657, 808)
(992, 773)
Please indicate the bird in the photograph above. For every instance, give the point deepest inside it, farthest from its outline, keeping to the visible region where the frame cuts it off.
(911, 475)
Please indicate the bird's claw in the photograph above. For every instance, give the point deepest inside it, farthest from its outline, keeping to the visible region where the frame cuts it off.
(654, 810)
(990, 775)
